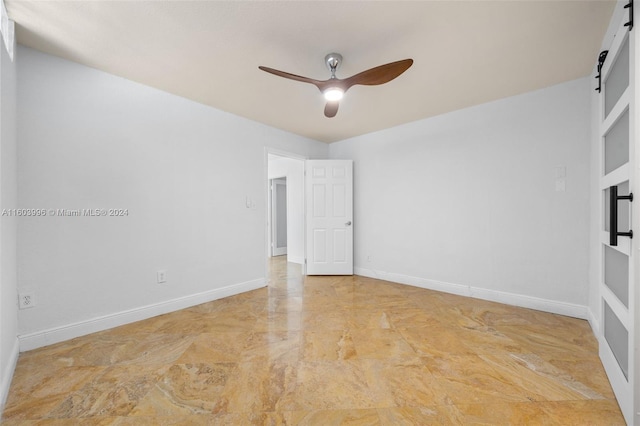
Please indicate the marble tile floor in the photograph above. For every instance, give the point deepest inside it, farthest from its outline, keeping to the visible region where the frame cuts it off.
(323, 351)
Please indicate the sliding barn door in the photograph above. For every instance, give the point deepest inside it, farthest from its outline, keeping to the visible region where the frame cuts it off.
(619, 297)
(329, 217)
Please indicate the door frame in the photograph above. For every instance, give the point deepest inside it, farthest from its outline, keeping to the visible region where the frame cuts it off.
(267, 247)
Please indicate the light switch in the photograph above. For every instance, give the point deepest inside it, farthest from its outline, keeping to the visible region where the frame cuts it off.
(561, 185)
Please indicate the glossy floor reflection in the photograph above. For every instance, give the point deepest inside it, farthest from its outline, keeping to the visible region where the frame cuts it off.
(325, 351)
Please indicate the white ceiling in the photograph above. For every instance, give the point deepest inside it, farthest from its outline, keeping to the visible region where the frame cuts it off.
(465, 52)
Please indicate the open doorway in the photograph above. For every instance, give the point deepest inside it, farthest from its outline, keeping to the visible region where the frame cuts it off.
(285, 215)
(278, 187)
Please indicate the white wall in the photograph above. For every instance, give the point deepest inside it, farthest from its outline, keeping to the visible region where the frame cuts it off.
(466, 202)
(8, 225)
(293, 170)
(91, 140)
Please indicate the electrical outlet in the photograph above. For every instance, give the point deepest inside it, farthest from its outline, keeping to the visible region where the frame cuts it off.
(26, 300)
(162, 277)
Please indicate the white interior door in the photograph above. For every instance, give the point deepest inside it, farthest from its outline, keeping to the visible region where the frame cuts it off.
(329, 217)
(618, 296)
(278, 217)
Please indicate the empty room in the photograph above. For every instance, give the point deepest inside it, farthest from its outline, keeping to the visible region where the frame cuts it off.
(319, 213)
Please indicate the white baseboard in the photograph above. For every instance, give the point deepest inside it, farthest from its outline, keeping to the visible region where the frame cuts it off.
(531, 302)
(82, 328)
(7, 375)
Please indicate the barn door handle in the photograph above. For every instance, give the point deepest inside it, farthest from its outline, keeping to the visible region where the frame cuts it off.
(613, 215)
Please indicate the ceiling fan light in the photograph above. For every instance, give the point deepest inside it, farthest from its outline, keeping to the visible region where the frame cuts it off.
(333, 94)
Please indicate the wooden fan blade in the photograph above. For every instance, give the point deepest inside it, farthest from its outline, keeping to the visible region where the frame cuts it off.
(290, 76)
(379, 75)
(331, 109)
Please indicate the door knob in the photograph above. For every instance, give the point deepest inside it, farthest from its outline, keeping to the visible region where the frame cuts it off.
(348, 223)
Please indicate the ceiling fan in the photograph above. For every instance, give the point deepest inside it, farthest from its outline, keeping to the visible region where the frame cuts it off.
(334, 88)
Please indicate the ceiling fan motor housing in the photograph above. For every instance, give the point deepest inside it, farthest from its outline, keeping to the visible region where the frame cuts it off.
(333, 61)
